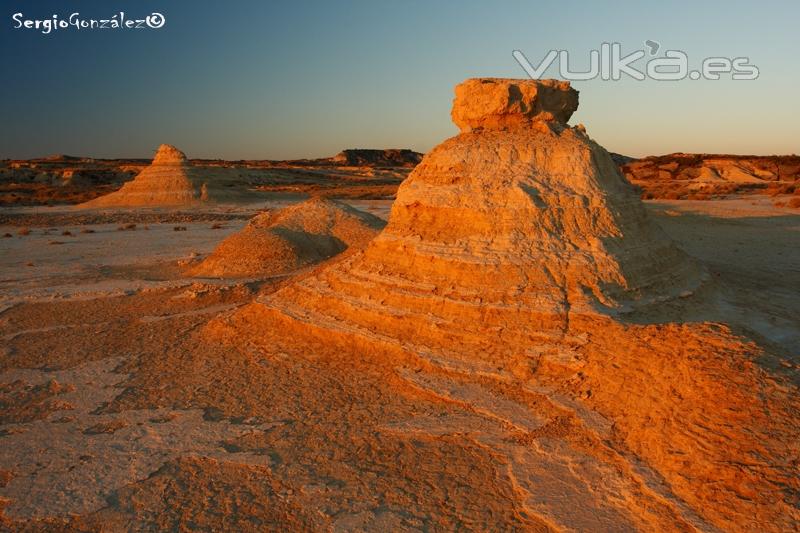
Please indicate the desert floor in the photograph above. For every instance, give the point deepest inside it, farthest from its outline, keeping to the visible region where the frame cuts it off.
(116, 408)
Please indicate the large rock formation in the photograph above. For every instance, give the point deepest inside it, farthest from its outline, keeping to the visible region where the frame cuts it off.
(513, 226)
(171, 180)
(280, 242)
(518, 259)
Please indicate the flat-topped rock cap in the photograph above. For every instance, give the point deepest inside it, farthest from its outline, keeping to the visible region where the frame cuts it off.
(505, 103)
(168, 155)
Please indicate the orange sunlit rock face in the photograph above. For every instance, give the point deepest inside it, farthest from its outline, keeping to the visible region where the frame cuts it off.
(522, 346)
(172, 181)
(517, 254)
(514, 229)
(499, 104)
(168, 181)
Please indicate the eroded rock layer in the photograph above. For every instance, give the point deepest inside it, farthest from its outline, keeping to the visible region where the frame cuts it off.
(513, 255)
(169, 180)
(510, 229)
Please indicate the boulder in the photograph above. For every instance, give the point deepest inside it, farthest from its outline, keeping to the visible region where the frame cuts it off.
(499, 104)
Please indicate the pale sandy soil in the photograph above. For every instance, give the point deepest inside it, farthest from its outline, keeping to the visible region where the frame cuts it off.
(751, 247)
(118, 412)
(44, 263)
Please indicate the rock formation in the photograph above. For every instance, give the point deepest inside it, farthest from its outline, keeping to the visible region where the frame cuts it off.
(515, 225)
(496, 104)
(703, 176)
(166, 181)
(171, 180)
(369, 157)
(518, 257)
(280, 242)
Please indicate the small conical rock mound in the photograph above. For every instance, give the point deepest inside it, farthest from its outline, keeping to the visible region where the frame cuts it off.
(280, 242)
(171, 181)
(168, 181)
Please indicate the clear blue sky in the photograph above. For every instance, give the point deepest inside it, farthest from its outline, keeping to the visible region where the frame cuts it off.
(269, 79)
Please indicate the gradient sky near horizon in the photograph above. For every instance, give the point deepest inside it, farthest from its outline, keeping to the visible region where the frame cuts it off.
(278, 80)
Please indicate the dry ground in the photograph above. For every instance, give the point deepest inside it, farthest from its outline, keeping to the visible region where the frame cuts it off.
(119, 411)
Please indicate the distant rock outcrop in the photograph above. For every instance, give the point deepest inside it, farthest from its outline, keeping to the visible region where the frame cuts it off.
(170, 180)
(167, 181)
(701, 176)
(382, 158)
(280, 242)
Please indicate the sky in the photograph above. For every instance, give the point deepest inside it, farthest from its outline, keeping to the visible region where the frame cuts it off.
(280, 79)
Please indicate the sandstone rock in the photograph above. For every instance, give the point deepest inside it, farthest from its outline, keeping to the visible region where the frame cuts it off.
(674, 176)
(516, 254)
(171, 180)
(168, 181)
(496, 103)
(515, 229)
(168, 155)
